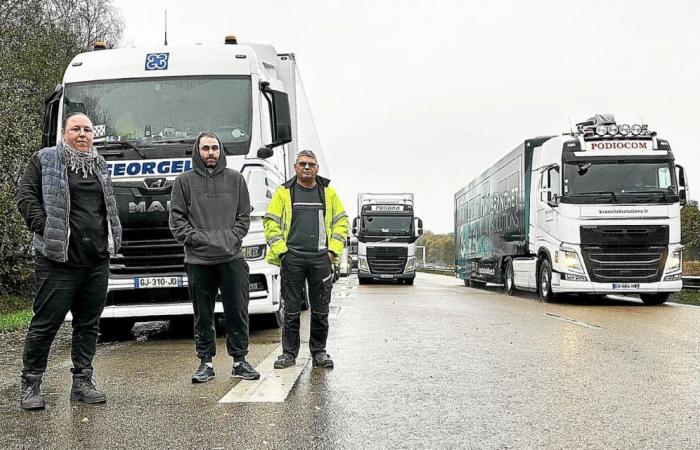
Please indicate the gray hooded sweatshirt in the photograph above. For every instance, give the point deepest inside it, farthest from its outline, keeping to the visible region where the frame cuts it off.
(210, 211)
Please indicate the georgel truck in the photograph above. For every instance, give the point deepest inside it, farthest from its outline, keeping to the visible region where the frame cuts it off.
(147, 106)
(595, 211)
(386, 231)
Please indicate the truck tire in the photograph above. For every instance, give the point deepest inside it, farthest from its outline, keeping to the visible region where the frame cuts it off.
(409, 281)
(655, 299)
(364, 280)
(116, 329)
(509, 278)
(544, 285)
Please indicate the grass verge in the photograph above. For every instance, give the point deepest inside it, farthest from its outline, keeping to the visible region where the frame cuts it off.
(687, 297)
(15, 313)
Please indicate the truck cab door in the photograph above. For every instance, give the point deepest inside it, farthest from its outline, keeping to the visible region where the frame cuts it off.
(549, 194)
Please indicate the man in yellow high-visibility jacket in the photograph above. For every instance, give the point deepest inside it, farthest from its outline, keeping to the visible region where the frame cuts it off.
(306, 227)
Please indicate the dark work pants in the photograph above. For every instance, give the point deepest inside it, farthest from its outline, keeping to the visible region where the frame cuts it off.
(296, 271)
(61, 288)
(231, 278)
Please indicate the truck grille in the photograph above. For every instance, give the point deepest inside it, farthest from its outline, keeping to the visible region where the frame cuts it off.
(634, 253)
(148, 251)
(387, 260)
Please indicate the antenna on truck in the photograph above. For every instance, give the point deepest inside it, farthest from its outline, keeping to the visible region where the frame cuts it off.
(166, 28)
(571, 129)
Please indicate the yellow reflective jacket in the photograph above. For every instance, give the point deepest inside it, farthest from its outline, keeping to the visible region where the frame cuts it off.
(278, 220)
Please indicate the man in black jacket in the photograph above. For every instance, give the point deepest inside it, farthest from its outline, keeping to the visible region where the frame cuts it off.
(67, 201)
(210, 215)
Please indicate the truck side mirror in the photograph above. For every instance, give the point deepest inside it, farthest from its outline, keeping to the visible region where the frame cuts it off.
(552, 199)
(354, 225)
(278, 104)
(265, 152)
(51, 105)
(419, 227)
(682, 187)
(683, 196)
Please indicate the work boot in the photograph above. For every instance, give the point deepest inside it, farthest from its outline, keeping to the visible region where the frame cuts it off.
(203, 374)
(322, 359)
(31, 398)
(284, 361)
(84, 388)
(243, 369)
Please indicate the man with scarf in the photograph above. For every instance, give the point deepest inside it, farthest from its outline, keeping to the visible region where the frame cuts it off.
(67, 201)
(210, 215)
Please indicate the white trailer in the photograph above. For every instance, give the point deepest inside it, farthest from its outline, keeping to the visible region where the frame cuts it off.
(594, 212)
(148, 105)
(386, 229)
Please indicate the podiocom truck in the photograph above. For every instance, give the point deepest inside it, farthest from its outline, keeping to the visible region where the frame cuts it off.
(147, 107)
(386, 231)
(596, 211)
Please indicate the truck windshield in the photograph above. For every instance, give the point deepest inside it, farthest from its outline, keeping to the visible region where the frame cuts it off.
(619, 182)
(147, 113)
(387, 225)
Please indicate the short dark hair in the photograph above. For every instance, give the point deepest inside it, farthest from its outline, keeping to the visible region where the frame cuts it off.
(73, 114)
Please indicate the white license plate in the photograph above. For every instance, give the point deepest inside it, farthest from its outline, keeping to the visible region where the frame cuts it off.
(625, 285)
(157, 282)
(386, 276)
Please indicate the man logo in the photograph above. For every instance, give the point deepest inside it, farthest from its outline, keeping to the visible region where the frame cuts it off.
(154, 183)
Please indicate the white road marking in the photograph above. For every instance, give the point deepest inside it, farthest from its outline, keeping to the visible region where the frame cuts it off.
(574, 321)
(274, 384)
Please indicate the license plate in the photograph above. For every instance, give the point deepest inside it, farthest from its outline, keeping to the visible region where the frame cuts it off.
(625, 285)
(386, 276)
(157, 282)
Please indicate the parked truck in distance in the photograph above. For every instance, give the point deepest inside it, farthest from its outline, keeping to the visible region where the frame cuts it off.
(148, 106)
(596, 211)
(386, 230)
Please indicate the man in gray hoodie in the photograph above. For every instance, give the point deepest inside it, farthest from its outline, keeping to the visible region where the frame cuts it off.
(210, 215)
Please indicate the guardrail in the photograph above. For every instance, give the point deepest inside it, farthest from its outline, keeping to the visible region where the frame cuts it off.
(439, 271)
(691, 282)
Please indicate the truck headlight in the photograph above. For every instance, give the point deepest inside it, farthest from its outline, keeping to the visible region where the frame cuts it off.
(571, 261)
(410, 264)
(674, 261)
(254, 252)
(362, 264)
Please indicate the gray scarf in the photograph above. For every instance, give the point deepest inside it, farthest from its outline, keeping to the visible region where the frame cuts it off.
(78, 161)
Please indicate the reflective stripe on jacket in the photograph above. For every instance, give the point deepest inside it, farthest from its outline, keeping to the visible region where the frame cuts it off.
(278, 220)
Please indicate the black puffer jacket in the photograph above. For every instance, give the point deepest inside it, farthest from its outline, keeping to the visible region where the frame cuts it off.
(210, 211)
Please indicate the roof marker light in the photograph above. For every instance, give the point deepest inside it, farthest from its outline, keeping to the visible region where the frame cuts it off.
(636, 129)
(612, 129)
(624, 129)
(601, 130)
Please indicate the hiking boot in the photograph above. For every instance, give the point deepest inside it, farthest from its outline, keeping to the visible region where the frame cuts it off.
(84, 388)
(30, 397)
(284, 361)
(243, 369)
(203, 374)
(322, 359)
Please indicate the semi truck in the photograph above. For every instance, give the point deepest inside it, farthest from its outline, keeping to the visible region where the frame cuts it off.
(386, 230)
(147, 106)
(595, 211)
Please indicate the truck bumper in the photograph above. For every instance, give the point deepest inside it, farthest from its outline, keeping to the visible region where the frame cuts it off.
(563, 286)
(261, 302)
(399, 276)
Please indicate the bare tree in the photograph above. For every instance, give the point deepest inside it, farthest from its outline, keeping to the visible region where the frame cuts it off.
(90, 20)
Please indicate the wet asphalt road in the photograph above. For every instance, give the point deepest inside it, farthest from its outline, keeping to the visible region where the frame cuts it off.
(434, 365)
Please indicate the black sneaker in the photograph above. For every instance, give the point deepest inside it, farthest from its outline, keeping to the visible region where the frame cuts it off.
(322, 359)
(203, 374)
(84, 388)
(243, 369)
(284, 361)
(30, 397)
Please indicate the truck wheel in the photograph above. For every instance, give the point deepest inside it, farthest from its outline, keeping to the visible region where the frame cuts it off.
(509, 278)
(363, 280)
(655, 299)
(116, 329)
(409, 281)
(544, 287)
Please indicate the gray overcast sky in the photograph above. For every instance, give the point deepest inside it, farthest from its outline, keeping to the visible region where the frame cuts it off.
(422, 96)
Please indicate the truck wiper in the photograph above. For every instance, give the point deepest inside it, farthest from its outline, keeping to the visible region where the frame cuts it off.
(596, 194)
(122, 144)
(655, 191)
(175, 141)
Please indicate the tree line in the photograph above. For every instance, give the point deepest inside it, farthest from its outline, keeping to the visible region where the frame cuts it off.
(38, 39)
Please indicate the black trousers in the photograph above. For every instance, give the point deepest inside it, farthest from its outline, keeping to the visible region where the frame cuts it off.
(296, 272)
(61, 288)
(205, 281)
